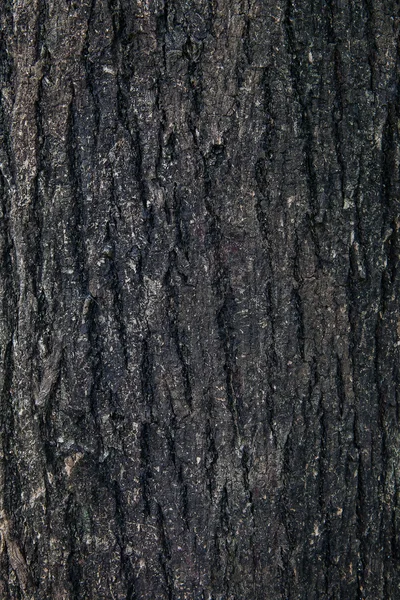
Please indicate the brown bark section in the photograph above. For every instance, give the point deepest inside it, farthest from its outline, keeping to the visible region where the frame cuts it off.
(199, 323)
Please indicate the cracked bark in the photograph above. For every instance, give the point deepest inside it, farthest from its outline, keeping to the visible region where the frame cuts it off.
(199, 324)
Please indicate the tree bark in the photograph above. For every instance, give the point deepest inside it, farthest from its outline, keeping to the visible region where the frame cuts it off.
(199, 322)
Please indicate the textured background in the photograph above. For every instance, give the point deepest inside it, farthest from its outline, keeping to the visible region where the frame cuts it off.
(199, 320)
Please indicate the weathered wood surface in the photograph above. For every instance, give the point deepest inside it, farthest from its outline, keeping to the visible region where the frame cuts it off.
(199, 317)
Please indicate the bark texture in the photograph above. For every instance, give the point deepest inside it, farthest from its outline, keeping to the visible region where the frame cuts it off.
(199, 300)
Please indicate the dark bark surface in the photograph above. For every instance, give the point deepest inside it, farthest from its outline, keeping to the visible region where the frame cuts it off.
(199, 321)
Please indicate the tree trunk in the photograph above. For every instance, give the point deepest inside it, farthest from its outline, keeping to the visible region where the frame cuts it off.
(199, 322)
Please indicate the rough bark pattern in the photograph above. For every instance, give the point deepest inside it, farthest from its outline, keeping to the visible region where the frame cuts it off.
(199, 326)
